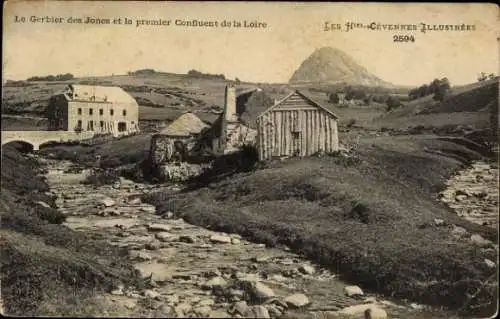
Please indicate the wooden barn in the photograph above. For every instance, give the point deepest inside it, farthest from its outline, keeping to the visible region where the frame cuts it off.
(296, 126)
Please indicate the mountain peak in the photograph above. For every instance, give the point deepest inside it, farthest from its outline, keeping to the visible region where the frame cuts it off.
(331, 65)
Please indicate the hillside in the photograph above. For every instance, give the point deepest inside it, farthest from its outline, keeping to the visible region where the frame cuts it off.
(332, 65)
(471, 105)
(334, 211)
(48, 268)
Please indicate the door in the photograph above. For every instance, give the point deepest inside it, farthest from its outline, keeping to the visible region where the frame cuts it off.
(296, 138)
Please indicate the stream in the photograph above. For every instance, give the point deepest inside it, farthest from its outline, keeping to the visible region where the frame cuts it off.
(195, 272)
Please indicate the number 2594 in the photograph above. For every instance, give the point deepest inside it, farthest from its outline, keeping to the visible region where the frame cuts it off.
(403, 38)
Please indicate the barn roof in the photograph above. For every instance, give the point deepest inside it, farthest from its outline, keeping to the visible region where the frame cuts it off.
(185, 125)
(95, 93)
(307, 98)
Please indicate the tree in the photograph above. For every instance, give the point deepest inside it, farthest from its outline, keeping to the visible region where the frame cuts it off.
(491, 76)
(440, 93)
(482, 76)
(237, 81)
(392, 103)
(367, 100)
(333, 98)
(445, 83)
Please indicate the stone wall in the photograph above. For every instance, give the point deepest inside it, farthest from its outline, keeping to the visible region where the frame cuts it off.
(163, 148)
(238, 135)
(181, 172)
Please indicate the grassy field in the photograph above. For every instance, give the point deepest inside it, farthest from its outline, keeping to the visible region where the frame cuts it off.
(372, 221)
(48, 269)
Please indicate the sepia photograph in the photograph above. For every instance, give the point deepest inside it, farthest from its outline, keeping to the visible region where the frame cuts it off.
(189, 159)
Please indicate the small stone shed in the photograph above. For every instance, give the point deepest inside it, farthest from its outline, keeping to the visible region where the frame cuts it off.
(176, 141)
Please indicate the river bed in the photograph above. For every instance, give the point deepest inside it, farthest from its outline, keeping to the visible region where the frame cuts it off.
(191, 271)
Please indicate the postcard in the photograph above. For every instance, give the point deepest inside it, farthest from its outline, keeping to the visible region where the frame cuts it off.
(250, 159)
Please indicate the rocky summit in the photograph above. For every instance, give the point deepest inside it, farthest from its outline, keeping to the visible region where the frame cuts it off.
(331, 65)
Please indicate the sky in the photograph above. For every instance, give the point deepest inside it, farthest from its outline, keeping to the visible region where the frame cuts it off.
(270, 54)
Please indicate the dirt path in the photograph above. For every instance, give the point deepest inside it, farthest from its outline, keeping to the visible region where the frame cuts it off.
(194, 272)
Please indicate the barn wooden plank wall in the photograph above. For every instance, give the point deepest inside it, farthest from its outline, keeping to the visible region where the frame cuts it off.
(296, 127)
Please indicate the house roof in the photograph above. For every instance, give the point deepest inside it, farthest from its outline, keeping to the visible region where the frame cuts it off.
(307, 98)
(95, 93)
(185, 125)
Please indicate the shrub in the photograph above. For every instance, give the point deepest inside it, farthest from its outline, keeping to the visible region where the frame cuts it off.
(333, 98)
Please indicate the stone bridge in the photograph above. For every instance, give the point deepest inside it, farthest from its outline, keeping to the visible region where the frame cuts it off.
(37, 138)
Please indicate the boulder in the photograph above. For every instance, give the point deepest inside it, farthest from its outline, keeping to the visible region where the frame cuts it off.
(235, 241)
(219, 313)
(164, 236)
(261, 291)
(375, 313)
(220, 239)
(479, 240)
(307, 269)
(148, 209)
(274, 311)
(489, 263)
(459, 231)
(439, 222)
(203, 311)
(240, 307)
(151, 294)
(168, 215)
(118, 291)
(153, 245)
(463, 192)
(44, 204)
(260, 259)
(139, 255)
(206, 302)
(369, 311)
(352, 291)
(156, 271)
(187, 239)
(135, 201)
(182, 309)
(236, 294)
(107, 202)
(257, 312)
(159, 228)
(297, 300)
(214, 283)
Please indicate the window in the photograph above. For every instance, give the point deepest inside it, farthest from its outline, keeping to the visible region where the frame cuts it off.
(124, 112)
(79, 111)
(101, 124)
(91, 111)
(111, 112)
(79, 125)
(91, 125)
(101, 111)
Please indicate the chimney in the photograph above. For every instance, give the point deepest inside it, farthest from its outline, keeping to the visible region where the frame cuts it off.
(230, 103)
